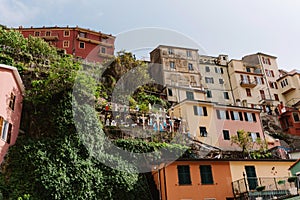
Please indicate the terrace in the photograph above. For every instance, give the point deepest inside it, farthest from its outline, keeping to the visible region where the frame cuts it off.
(265, 188)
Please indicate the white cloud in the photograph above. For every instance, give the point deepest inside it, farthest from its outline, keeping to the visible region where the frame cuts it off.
(16, 12)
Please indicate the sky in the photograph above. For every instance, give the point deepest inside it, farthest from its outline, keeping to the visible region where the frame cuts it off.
(233, 27)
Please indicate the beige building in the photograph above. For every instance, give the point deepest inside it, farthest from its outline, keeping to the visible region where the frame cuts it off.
(178, 70)
(253, 81)
(187, 75)
(214, 71)
(289, 87)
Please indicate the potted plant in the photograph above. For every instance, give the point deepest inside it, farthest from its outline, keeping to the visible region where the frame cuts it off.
(260, 188)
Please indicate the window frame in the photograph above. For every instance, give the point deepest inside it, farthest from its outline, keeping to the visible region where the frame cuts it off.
(81, 43)
(226, 134)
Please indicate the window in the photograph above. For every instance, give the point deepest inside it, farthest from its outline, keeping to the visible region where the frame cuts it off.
(207, 69)
(248, 69)
(200, 110)
(226, 135)
(66, 44)
(235, 115)
(222, 114)
(269, 73)
(276, 97)
(82, 34)
(248, 117)
(67, 33)
(209, 80)
(258, 80)
(262, 94)
(226, 95)
(172, 65)
(103, 50)
(266, 60)
(296, 117)
(184, 177)
(248, 92)
(37, 33)
(188, 53)
(206, 174)
(5, 130)
(219, 70)
(48, 33)
(203, 132)
(273, 85)
(189, 95)
(81, 45)
(284, 83)
(254, 136)
(190, 66)
(170, 92)
(221, 81)
(208, 94)
(12, 101)
(170, 51)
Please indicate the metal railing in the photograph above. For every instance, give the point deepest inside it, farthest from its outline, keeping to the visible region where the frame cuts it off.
(265, 187)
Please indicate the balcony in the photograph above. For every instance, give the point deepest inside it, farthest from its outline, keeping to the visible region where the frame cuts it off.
(264, 187)
(248, 83)
(50, 38)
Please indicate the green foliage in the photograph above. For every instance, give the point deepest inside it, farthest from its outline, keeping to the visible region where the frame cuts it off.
(51, 161)
(243, 140)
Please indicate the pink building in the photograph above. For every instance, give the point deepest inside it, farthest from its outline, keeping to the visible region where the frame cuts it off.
(11, 96)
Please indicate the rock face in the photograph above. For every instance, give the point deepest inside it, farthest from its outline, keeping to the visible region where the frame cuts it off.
(271, 126)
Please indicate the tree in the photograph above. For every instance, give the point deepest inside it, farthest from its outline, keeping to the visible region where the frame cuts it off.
(243, 140)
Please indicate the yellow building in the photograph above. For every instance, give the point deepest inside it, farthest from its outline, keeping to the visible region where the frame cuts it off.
(253, 81)
(289, 87)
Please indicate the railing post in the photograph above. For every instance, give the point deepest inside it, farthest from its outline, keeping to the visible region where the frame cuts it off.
(245, 181)
(276, 184)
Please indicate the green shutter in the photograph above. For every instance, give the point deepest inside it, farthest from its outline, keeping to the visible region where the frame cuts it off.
(206, 174)
(184, 177)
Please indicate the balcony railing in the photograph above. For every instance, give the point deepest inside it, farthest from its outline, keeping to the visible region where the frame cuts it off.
(265, 187)
(248, 83)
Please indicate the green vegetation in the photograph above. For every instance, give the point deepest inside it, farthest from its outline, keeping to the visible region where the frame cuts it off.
(50, 161)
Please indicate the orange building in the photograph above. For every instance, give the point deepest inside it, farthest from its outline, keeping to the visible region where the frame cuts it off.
(80, 42)
(190, 180)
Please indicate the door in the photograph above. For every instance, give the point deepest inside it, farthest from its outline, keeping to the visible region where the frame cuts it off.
(251, 177)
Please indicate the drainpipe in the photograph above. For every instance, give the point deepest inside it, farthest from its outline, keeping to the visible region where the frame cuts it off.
(165, 182)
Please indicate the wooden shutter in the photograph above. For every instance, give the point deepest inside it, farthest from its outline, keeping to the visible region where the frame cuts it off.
(9, 133)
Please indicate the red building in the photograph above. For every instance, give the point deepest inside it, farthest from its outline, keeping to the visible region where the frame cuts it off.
(79, 42)
(289, 118)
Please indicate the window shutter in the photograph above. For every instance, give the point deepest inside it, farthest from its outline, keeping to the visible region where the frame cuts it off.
(195, 110)
(9, 133)
(1, 125)
(227, 115)
(245, 116)
(241, 116)
(204, 111)
(254, 117)
(206, 174)
(218, 114)
(257, 135)
(232, 115)
(222, 70)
